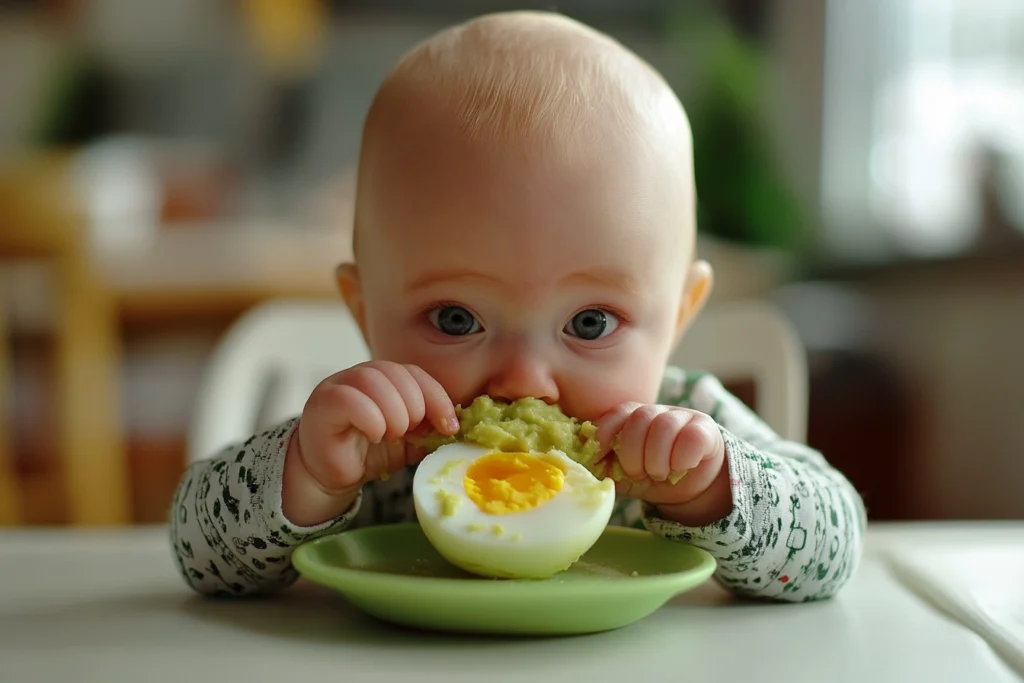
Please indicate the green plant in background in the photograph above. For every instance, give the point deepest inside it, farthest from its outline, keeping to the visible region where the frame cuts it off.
(75, 103)
(743, 195)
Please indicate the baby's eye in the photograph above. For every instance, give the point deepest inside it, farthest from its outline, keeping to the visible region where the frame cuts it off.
(454, 320)
(591, 324)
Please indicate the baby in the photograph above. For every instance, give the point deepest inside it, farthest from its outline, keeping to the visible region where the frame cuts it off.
(524, 227)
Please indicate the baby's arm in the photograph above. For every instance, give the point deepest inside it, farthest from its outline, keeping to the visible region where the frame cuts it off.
(796, 529)
(228, 533)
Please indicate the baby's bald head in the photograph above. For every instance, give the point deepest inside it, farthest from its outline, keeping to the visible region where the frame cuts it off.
(529, 76)
(529, 85)
(522, 169)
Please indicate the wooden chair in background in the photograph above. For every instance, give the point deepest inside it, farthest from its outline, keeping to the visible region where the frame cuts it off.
(40, 219)
(10, 495)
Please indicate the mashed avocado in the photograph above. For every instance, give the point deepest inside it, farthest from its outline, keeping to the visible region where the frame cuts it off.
(529, 424)
(525, 425)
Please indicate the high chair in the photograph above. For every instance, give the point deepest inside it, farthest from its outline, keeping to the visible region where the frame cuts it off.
(266, 365)
(270, 360)
(753, 340)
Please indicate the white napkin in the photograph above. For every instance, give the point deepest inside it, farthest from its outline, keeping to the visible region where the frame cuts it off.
(982, 588)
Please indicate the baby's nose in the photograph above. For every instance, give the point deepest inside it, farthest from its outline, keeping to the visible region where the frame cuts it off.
(521, 376)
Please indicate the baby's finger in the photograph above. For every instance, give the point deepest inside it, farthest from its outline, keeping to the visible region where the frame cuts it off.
(696, 440)
(661, 437)
(408, 388)
(610, 424)
(414, 454)
(630, 448)
(375, 384)
(439, 409)
(335, 471)
(341, 406)
(394, 457)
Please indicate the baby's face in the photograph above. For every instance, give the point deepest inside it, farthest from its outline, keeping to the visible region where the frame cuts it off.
(497, 275)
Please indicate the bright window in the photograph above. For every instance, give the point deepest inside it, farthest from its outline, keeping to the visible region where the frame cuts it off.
(924, 108)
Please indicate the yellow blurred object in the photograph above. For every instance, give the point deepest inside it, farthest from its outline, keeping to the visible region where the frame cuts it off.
(10, 498)
(288, 33)
(42, 219)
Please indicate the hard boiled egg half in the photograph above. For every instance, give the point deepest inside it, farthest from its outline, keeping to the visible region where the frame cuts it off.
(510, 515)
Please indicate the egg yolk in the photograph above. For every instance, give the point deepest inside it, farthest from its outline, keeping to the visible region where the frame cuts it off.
(506, 483)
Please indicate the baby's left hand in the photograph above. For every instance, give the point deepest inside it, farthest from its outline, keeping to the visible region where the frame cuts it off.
(655, 445)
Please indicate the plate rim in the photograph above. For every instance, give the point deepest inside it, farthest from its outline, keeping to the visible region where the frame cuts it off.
(317, 572)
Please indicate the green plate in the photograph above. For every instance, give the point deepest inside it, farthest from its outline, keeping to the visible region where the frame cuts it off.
(393, 573)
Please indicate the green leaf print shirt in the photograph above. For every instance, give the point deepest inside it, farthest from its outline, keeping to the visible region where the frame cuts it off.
(795, 532)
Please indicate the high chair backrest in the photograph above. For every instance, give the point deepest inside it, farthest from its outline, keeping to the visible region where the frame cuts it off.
(271, 359)
(265, 367)
(753, 340)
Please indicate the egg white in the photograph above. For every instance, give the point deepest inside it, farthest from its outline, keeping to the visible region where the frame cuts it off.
(535, 543)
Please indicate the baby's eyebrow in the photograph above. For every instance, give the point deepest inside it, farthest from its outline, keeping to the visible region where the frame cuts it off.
(449, 275)
(605, 277)
(608, 277)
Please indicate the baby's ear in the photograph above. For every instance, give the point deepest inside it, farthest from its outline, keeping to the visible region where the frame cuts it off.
(697, 289)
(351, 288)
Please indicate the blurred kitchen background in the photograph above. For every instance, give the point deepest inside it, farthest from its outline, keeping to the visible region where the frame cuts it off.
(167, 165)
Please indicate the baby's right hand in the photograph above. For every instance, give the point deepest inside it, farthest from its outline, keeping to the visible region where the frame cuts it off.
(353, 430)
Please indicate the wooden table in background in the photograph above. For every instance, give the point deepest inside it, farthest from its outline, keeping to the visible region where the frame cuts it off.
(223, 270)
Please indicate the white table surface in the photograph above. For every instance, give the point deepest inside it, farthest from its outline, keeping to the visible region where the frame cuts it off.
(109, 606)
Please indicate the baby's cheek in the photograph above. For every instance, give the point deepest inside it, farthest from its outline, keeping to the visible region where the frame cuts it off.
(389, 347)
(456, 382)
(590, 397)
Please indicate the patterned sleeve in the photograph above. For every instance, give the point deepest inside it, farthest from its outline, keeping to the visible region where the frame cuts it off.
(228, 533)
(796, 529)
